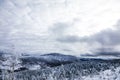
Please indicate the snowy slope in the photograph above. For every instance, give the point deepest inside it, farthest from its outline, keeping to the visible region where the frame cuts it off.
(111, 74)
(55, 66)
(52, 59)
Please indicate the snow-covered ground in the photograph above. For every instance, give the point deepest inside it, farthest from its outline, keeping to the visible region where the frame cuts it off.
(111, 74)
(65, 67)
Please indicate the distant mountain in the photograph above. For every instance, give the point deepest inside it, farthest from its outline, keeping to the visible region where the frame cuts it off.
(51, 59)
(59, 57)
(31, 61)
(102, 55)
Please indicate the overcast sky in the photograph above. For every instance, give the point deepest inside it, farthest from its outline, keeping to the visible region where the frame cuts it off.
(65, 26)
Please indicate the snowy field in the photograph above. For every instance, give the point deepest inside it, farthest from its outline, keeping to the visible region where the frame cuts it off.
(61, 74)
(56, 66)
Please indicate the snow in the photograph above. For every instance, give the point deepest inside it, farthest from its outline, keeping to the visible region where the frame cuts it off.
(112, 74)
(82, 70)
(34, 67)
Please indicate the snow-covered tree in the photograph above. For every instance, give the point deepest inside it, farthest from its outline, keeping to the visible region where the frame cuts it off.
(10, 64)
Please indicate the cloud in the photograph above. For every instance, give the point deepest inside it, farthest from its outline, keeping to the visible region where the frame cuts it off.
(107, 42)
(59, 28)
(1, 2)
(101, 43)
(105, 37)
(115, 54)
(69, 39)
(109, 37)
(45, 25)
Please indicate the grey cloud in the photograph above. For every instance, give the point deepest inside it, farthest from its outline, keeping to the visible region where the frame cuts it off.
(115, 54)
(69, 39)
(105, 37)
(1, 2)
(109, 53)
(109, 36)
(118, 25)
(58, 29)
(106, 40)
(103, 52)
